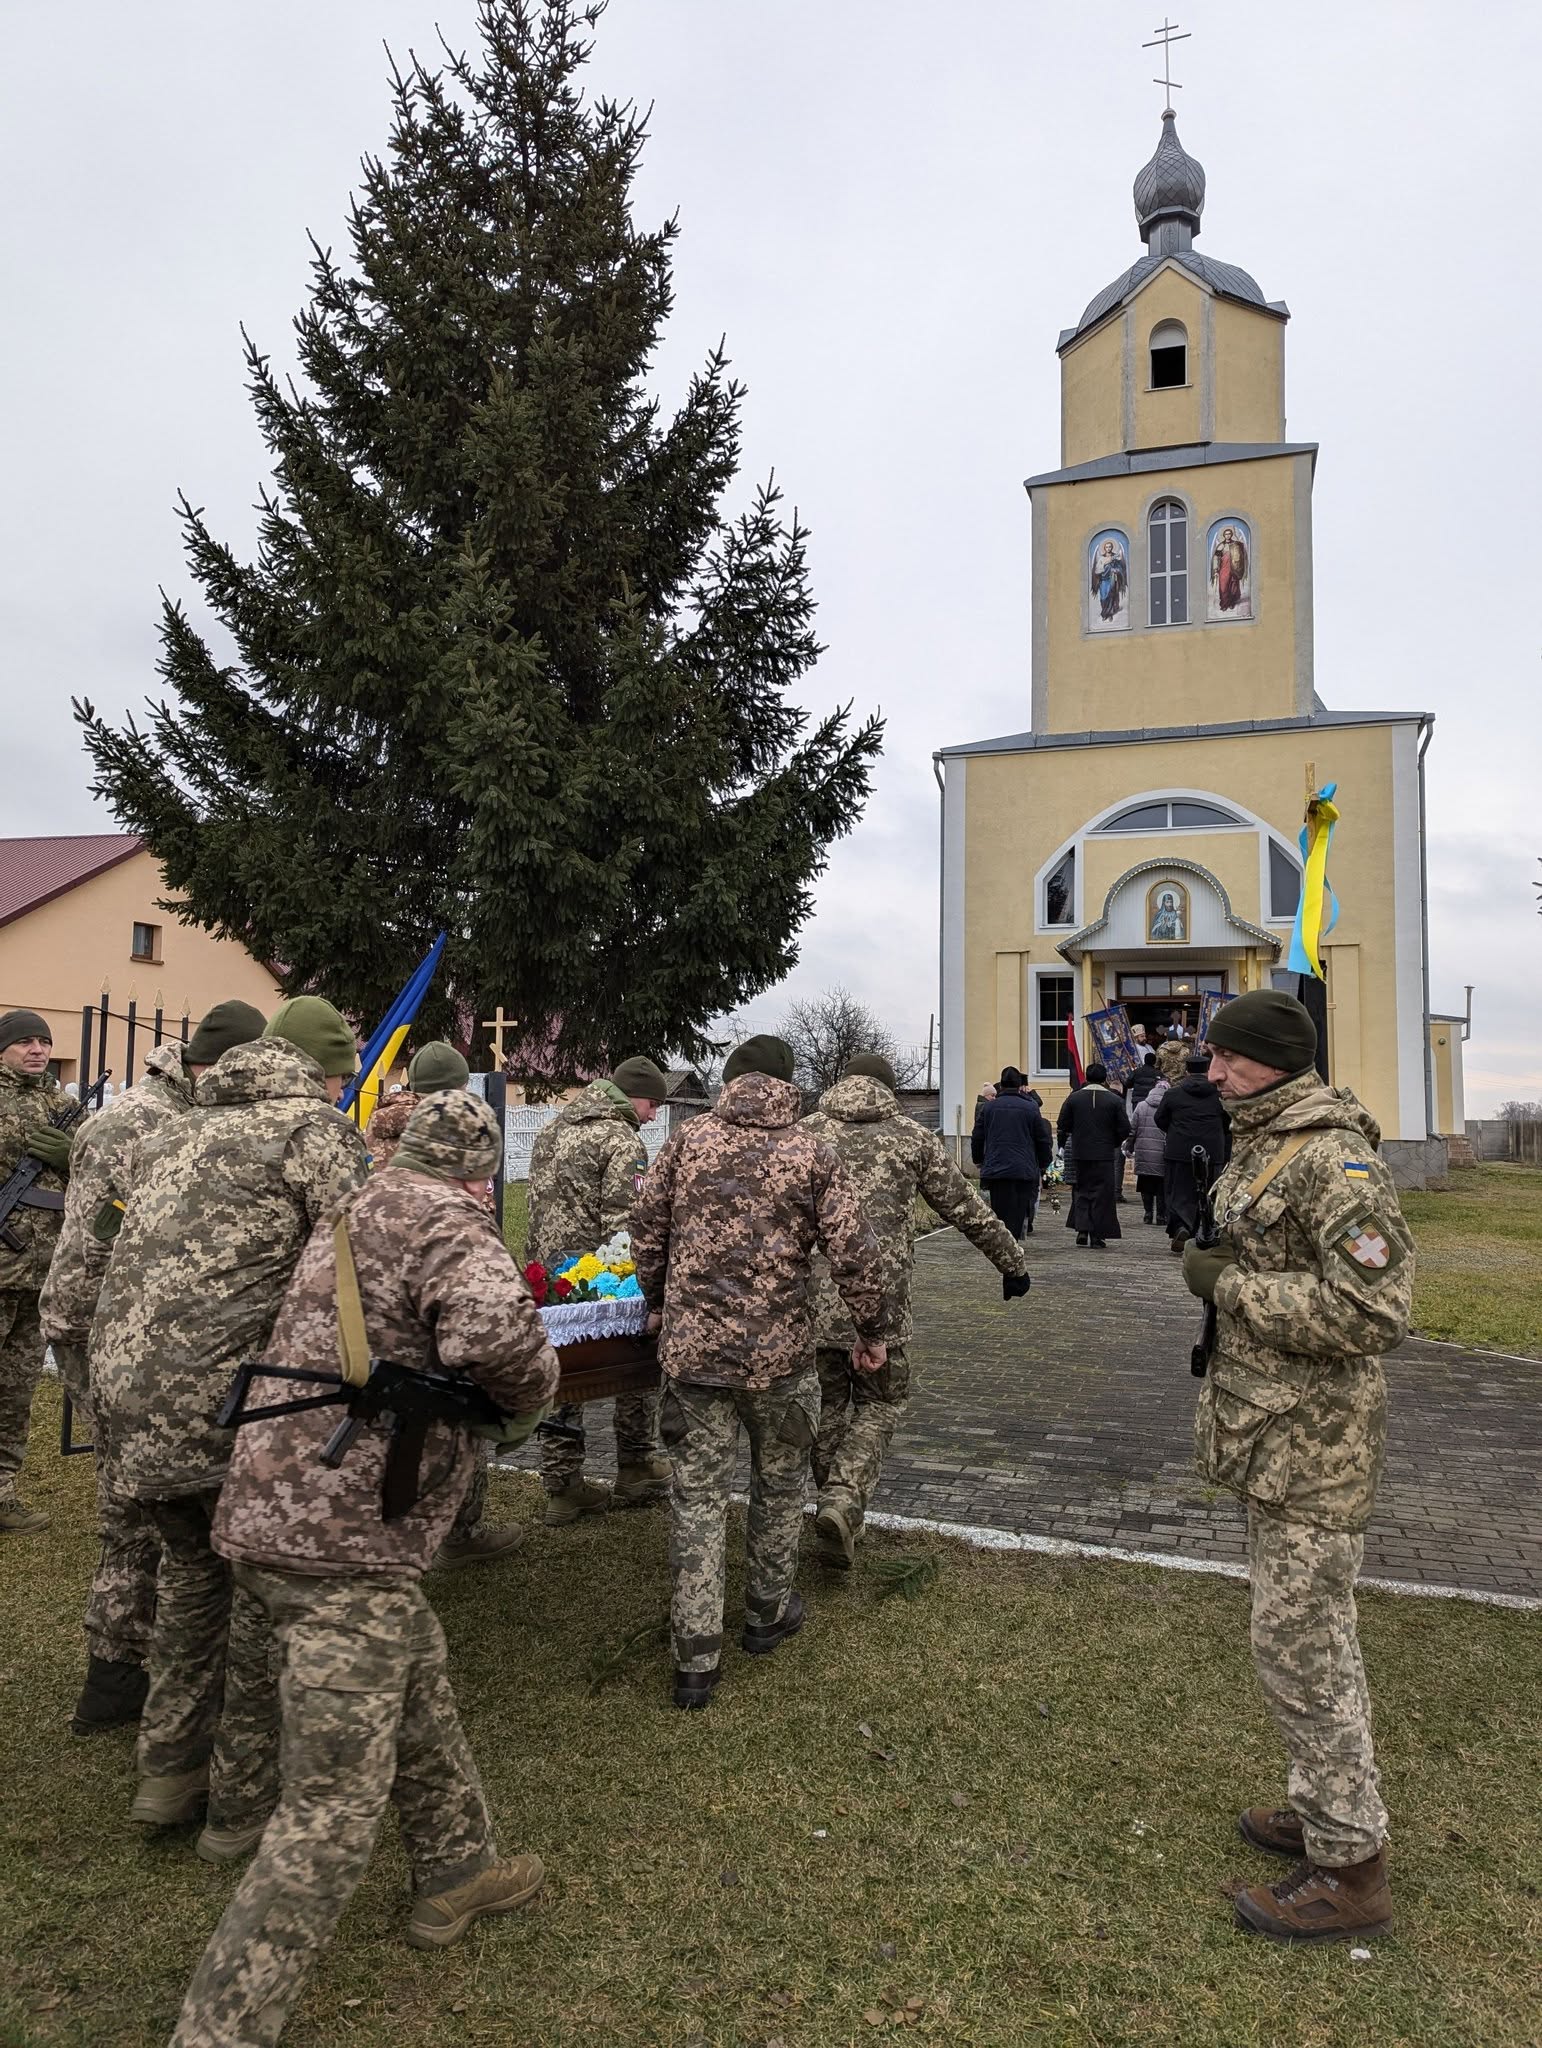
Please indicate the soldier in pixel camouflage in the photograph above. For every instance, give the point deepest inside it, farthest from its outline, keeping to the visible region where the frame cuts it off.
(724, 1234)
(1312, 1281)
(369, 1719)
(29, 1097)
(121, 1605)
(585, 1170)
(221, 1206)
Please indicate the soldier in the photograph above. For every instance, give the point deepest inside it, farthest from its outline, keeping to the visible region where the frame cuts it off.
(433, 1069)
(222, 1204)
(585, 1170)
(29, 1097)
(368, 1715)
(1312, 1280)
(891, 1160)
(121, 1603)
(724, 1233)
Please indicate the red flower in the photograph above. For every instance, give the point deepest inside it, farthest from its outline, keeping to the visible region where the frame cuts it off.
(562, 1288)
(536, 1280)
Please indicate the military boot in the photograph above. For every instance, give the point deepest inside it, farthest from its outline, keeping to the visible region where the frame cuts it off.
(1316, 1903)
(229, 1845)
(1275, 1828)
(575, 1499)
(836, 1539)
(481, 1545)
(440, 1920)
(638, 1485)
(113, 1696)
(171, 1802)
(760, 1638)
(693, 1689)
(16, 1520)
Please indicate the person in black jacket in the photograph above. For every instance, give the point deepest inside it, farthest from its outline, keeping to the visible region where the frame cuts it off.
(1096, 1122)
(1142, 1081)
(1011, 1145)
(1190, 1114)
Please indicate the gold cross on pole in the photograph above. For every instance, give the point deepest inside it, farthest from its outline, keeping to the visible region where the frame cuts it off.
(496, 1026)
(1164, 39)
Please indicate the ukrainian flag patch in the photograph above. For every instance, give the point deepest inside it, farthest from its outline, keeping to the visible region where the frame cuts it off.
(1356, 1169)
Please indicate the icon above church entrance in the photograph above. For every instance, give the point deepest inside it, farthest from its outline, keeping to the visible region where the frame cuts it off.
(1167, 914)
(1229, 593)
(1108, 557)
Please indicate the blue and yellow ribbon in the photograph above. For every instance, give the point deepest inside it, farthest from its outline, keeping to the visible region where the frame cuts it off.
(1318, 911)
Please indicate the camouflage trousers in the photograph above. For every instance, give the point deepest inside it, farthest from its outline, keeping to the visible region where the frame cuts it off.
(637, 1438)
(120, 1608)
(858, 1415)
(1307, 1654)
(369, 1721)
(701, 1429)
(468, 1516)
(21, 1367)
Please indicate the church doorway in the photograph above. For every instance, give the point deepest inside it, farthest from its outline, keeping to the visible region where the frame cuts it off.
(1168, 1001)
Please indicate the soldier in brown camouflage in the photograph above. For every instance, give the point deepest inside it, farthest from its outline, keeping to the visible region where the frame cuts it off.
(368, 1716)
(891, 1160)
(121, 1604)
(585, 1170)
(28, 1099)
(221, 1206)
(724, 1234)
(1311, 1282)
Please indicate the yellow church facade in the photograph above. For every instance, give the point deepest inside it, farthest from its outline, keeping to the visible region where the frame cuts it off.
(1138, 844)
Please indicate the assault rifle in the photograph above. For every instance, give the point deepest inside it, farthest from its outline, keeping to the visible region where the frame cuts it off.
(410, 1398)
(1206, 1236)
(19, 1191)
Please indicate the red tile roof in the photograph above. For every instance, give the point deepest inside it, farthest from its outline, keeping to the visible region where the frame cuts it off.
(34, 870)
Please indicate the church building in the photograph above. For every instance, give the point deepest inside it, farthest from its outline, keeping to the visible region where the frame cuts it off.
(1138, 845)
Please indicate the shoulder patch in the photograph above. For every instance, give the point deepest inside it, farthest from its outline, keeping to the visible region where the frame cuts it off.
(1356, 1169)
(1365, 1244)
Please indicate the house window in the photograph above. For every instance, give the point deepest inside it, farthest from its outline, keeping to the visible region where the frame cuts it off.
(1055, 995)
(1284, 882)
(1168, 555)
(1060, 891)
(1181, 815)
(147, 942)
(1169, 355)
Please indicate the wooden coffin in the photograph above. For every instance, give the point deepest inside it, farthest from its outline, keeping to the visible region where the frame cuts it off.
(606, 1366)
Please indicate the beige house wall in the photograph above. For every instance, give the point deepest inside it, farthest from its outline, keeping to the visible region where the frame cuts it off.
(62, 955)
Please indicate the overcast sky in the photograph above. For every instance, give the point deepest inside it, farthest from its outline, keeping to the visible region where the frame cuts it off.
(890, 207)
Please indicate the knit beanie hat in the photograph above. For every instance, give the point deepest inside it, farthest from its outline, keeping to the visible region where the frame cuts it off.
(760, 1055)
(435, 1067)
(1269, 1026)
(452, 1135)
(16, 1025)
(641, 1078)
(875, 1064)
(311, 1023)
(227, 1024)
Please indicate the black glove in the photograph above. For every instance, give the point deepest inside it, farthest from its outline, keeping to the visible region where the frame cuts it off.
(1015, 1284)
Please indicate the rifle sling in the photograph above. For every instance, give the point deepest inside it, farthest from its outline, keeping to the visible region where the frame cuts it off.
(1287, 1152)
(352, 1338)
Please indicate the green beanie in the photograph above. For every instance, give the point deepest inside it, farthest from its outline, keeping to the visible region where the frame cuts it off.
(227, 1024)
(760, 1055)
(876, 1065)
(435, 1067)
(311, 1023)
(451, 1136)
(641, 1078)
(1268, 1026)
(16, 1025)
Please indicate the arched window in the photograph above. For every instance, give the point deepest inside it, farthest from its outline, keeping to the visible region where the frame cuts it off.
(1284, 882)
(1060, 891)
(1178, 814)
(1167, 555)
(1169, 355)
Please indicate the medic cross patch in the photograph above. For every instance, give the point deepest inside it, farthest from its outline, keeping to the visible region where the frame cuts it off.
(1367, 1246)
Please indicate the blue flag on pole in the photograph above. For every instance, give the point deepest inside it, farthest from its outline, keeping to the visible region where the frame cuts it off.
(385, 1041)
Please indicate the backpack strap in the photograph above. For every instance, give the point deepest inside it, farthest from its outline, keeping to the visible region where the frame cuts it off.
(352, 1338)
(1287, 1152)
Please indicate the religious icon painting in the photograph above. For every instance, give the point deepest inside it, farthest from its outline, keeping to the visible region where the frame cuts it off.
(1108, 581)
(1167, 914)
(1229, 582)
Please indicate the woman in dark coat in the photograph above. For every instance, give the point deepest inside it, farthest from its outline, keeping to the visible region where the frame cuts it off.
(1094, 1119)
(1190, 1114)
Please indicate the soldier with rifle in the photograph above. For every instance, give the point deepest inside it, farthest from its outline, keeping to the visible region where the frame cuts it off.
(35, 1120)
(330, 1528)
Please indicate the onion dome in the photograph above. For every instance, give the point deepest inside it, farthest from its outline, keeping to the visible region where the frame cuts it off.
(1169, 194)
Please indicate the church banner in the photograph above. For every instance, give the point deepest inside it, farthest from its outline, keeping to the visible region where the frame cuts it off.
(1209, 1006)
(1112, 1043)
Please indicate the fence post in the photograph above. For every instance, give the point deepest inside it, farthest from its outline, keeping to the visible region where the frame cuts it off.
(101, 1050)
(132, 1020)
(496, 1096)
(184, 1023)
(160, 1018)
(87, 1018)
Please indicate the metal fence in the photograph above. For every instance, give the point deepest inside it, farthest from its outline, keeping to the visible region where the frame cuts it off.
(94, 1020)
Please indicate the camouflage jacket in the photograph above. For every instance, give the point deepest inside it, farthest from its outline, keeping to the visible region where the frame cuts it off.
(724, 1233)
(438, 1288)
(1172, 1060)
(383, 1132)
(585, 1170)
(221, 1206)
(25, 1104)
(1293, 1413)
(99, 1173)
(891, 1160)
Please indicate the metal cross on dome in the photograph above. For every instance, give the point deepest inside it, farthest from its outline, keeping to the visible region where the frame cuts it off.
(1165, 37)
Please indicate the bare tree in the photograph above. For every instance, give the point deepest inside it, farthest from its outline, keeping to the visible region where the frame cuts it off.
(827, 1030)
(1520, 1112)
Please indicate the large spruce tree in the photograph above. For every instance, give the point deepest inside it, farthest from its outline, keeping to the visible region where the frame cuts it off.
(503, 663)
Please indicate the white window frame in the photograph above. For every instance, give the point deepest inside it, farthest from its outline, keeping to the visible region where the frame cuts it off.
(1035, 976)
(1169, 498)
(1167, 334)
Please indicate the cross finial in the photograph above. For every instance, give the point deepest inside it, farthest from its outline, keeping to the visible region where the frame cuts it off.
(496, 1026)
(1164, 39)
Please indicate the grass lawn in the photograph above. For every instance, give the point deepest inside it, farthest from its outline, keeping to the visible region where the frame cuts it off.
(1480, 1259)
(1001, 1813)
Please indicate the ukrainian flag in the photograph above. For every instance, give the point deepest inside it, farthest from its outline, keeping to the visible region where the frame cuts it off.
(1317, 912)
(384, 1048)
